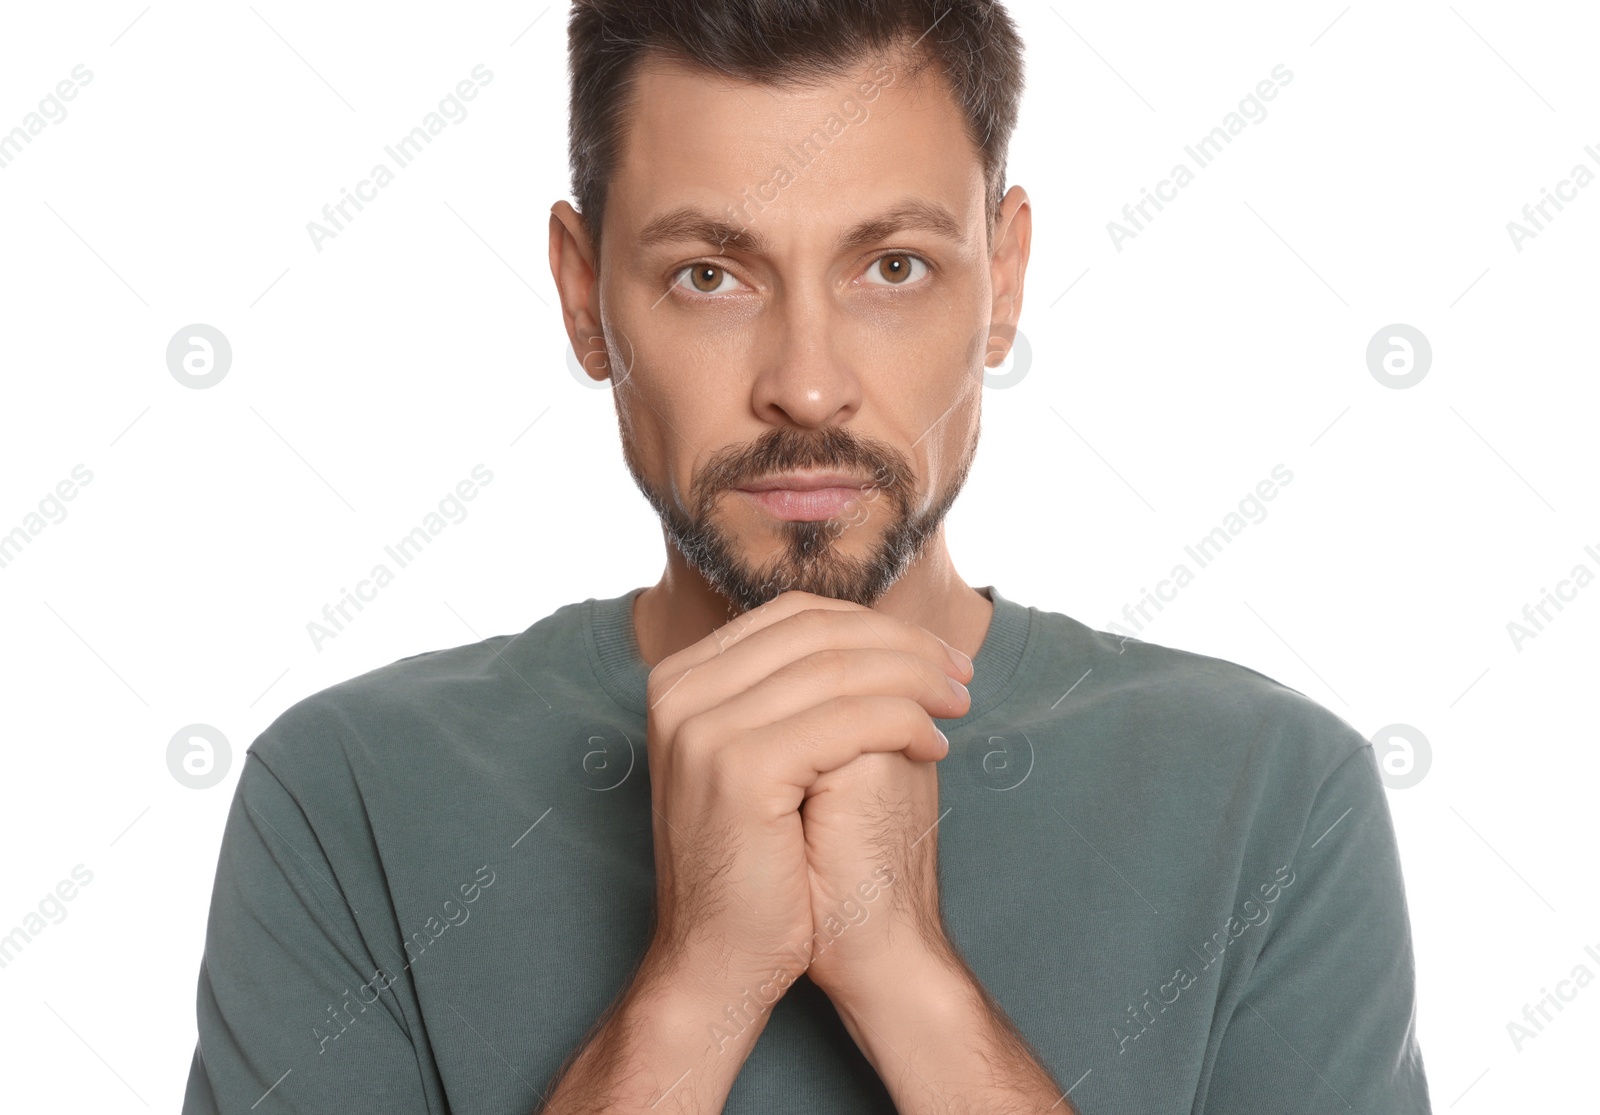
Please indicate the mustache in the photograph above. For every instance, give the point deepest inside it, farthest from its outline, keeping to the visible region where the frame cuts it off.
(789, 449)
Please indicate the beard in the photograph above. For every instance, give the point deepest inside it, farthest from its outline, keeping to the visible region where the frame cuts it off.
(810, 559)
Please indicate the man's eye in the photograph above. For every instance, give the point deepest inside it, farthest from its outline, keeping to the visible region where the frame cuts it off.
(896, 269)
(706, 278)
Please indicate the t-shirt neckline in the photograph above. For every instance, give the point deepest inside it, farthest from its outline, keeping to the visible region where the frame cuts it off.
(614, 655)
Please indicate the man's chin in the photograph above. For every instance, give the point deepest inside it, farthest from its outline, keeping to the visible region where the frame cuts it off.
(749, 589)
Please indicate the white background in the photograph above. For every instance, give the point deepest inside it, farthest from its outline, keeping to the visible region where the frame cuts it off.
(1167, 379)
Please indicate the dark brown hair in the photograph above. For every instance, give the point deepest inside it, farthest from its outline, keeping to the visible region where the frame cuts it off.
(973, 43)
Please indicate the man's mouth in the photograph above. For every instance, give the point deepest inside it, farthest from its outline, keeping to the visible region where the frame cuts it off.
(805, 497)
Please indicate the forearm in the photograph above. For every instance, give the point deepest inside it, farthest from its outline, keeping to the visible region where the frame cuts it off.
(943, 1047)
(654, 1049)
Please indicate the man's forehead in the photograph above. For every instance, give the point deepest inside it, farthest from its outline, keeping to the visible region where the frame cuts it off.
(876, 129)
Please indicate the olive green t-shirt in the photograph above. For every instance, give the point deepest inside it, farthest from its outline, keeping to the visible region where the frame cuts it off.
(1178, 878)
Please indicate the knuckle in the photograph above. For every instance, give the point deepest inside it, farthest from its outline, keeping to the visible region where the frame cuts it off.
(811, 621)
(699, 743)
(911, 720)
(724, 766)
(830, 667)
(851, 707)
(689, 739)
(803, 736)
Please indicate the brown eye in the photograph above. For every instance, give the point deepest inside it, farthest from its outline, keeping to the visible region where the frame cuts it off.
(896, 269)
(706, 278)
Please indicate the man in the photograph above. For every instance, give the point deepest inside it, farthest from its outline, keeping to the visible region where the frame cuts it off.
(701, 847)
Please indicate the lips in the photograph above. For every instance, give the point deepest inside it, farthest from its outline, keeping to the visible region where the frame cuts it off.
(804, 505)
(806, 482)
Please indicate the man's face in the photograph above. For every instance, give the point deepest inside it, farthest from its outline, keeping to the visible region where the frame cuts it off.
(842, 330)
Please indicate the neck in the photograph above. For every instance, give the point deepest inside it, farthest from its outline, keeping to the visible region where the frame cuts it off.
(681, 608)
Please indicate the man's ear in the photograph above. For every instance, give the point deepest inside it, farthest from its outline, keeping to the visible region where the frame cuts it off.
(574, 268)
(1008, 266)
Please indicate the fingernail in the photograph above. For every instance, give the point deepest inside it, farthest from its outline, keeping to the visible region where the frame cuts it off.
(946, 740)
(961, 660)
(958, 689)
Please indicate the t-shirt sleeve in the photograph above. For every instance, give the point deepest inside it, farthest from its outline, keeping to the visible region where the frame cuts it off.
(294, 1014)
(1327, 1021)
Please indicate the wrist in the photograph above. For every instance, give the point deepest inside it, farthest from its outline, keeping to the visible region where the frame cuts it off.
(907, 1005)
(651, 1044)
(913, 964)
(707, 1007)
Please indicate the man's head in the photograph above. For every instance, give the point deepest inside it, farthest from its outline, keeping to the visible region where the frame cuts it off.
(792, 252)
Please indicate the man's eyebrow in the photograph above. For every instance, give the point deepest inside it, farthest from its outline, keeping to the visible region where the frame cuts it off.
(912, 213)
(687, 224)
